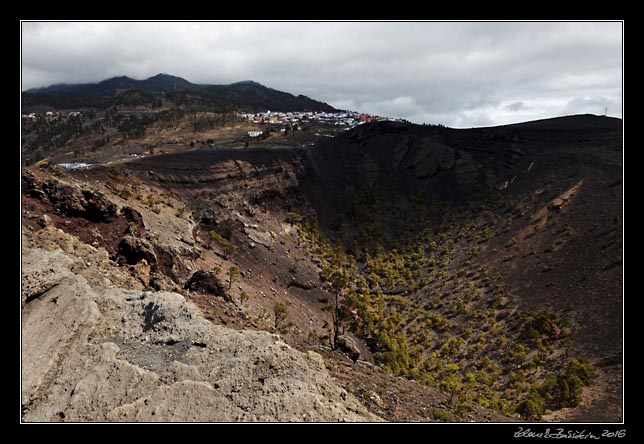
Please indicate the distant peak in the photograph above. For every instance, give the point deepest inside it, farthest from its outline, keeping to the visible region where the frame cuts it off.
(248, 82)
(246, 95)
(162, 75)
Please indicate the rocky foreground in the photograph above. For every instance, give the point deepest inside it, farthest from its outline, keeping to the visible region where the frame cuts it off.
(92, 352)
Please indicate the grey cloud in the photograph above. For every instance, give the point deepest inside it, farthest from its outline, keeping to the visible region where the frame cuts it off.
(458, 74)
(591, 105)
(517, 106)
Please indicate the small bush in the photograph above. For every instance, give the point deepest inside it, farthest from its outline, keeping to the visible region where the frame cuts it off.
(280, 312)
(581, 369)
(532, 407)
(442, 415)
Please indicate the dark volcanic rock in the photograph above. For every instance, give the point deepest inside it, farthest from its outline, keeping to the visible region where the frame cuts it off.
(348, 346)
(71, 200)
(401, 149)
(134, 249)
(45, 221)
(132, 215)
(97, 207)
(161, 282)
(206, 282)
(31, 186)
(431, 157)
(466, 168)
(298, 282)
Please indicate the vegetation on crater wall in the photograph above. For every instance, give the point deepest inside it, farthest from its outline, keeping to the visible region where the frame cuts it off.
(427, 307)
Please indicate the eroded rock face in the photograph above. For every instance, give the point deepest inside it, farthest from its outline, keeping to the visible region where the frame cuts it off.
(348, 346)
(47, 272)
(368, 169)
(206, 282)
(45, 221)
(106, 354)
(134, 250)
(261, 237)
(431, 157)
(401, 149)
(466, 168)
(71, 200)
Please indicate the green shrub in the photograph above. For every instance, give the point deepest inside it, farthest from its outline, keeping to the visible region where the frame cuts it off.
(226, 245)
(532, 406)
(442, 415)
(581, 369)
(280, 312)
(564, 390)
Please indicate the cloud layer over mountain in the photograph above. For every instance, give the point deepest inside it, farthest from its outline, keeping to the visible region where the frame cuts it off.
(458, 74)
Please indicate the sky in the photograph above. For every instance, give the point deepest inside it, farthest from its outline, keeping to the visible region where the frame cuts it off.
(459, 74)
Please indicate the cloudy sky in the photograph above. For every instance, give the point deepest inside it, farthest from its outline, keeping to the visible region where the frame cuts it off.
(457, 74)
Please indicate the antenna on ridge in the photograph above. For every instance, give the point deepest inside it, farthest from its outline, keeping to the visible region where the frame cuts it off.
(605, 111)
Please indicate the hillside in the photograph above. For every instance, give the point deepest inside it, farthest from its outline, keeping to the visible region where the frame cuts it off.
(245, 96)
(523, 224)
(443, 275)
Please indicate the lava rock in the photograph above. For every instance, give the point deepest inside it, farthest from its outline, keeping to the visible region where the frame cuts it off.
(206, 282)
(133, 250)
(45, 221)
(348, 346)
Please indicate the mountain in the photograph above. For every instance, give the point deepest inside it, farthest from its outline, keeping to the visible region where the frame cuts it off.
(167, 83)
(160, 83)
(246, 95)
(251, 96)
(442, 274)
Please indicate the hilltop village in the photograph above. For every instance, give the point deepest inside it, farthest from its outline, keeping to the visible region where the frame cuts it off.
(348, 119)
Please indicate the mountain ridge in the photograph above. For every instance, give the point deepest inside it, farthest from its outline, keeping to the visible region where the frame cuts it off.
(162, 82)
(247, 95)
